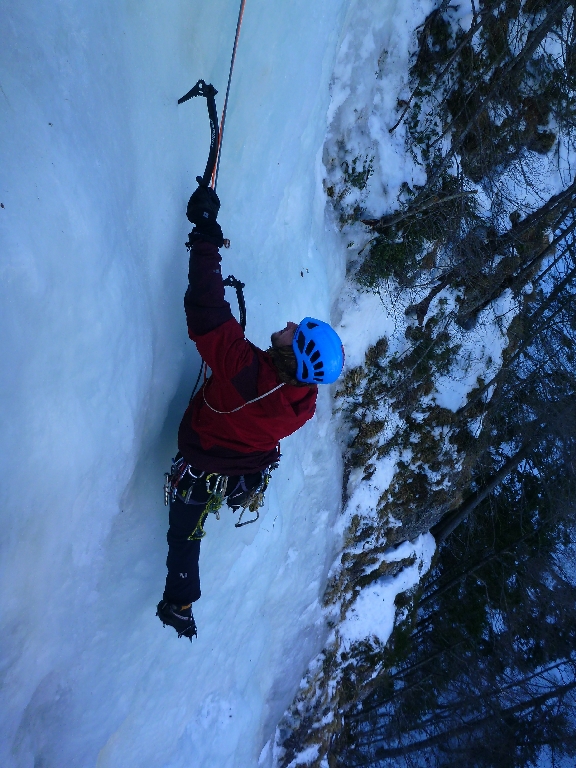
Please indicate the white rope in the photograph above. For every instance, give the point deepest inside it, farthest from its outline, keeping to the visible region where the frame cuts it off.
(243, 404)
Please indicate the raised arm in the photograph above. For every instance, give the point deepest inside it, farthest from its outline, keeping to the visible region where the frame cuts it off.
(218, 335)
(204, 302)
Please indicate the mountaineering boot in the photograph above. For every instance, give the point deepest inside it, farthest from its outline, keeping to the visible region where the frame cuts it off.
(179, 617)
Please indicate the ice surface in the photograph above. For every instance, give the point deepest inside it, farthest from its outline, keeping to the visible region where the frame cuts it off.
(97, 164)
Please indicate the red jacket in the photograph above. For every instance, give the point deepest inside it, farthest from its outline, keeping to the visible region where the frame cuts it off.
(247, 440)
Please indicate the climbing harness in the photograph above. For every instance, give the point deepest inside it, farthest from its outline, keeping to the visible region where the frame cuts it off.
(183, 477)
(243, 404)
(181, 482)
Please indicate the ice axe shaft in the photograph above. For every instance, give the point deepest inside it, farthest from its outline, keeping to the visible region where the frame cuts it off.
(208, 92)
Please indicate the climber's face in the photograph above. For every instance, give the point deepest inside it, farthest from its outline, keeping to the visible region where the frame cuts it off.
(284, 337)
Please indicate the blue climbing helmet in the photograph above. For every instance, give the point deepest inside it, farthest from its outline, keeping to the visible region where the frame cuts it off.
(319, 352)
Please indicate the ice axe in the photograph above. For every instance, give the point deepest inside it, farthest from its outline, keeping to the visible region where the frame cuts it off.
(208, 92)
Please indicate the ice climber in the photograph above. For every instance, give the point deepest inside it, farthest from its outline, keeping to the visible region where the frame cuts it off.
(228, 439)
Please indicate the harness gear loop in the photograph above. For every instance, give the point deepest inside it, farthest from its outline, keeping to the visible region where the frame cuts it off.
(172, 479)
(256, 498)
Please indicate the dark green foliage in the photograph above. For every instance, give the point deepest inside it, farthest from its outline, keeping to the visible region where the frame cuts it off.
(410, 240)
(485, 664)
(389, 258)
(355, 175)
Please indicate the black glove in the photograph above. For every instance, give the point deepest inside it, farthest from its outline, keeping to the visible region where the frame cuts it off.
(202, 211)
(203, 207)
(211, 233)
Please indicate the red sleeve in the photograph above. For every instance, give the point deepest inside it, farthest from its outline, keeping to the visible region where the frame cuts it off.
(204, 302)
(218, 335)
(225, 349)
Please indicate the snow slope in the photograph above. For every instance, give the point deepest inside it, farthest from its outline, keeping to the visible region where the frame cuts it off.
(97, 164)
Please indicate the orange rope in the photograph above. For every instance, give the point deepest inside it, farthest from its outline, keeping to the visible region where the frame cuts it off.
(214, 179)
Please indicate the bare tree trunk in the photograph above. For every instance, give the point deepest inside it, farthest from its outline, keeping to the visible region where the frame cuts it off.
(518, 279)
(449, 522)
(528, 341)
(474, 725)
(472, 569)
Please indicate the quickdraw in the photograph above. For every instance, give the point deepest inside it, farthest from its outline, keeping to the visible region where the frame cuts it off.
(216, 486)
(256, 499)
(172, 479)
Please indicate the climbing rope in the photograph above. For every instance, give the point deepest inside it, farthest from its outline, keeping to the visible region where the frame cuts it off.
(233, 59)
(254, 400)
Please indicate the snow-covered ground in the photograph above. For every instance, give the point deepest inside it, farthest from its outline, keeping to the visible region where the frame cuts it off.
(97, 164)
(364, 134)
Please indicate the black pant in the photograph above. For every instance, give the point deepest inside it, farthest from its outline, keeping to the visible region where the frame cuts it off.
(183, 579)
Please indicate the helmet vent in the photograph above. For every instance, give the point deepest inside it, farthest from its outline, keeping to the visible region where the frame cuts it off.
(305, 373)
(318, 366)
(309, 347)
(301, 341)
(314, 357)
(311, 325)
